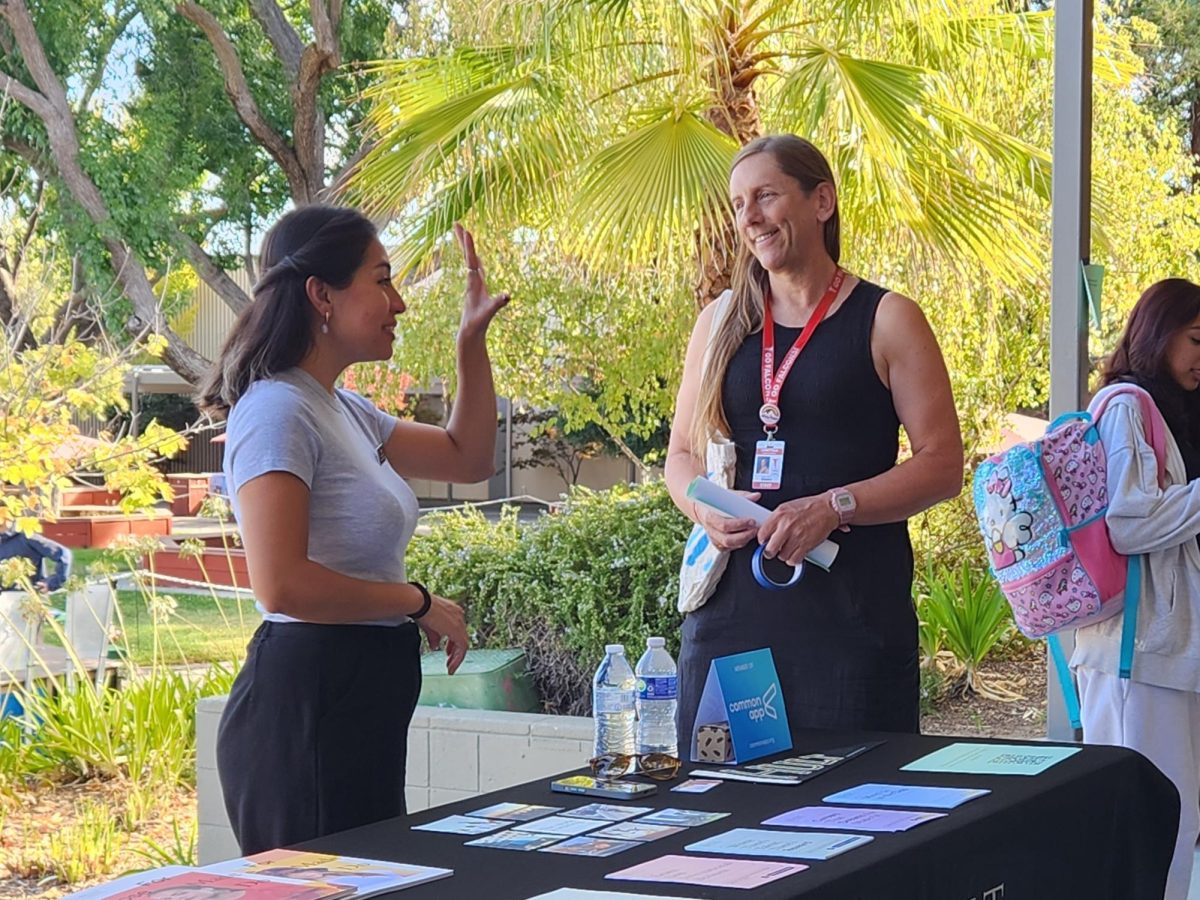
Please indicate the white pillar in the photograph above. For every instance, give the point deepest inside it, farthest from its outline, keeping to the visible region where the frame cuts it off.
(1071, 236)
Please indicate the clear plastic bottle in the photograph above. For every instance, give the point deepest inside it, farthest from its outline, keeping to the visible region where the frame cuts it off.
(657, 689)
(613, 703)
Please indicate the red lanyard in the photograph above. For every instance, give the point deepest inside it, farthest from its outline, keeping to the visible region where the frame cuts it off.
(772, 381)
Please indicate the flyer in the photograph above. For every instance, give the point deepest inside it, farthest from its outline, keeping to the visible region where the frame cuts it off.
(786, 844)
(709, 871)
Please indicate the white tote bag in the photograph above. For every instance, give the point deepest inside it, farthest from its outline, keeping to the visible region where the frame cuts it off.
(703, 564)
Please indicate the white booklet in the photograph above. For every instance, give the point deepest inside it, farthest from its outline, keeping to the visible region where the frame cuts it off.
(364, 877)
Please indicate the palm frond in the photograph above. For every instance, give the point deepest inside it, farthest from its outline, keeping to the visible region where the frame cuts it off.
(652, 189)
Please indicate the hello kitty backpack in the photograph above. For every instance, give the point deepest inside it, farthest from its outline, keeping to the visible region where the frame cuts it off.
(1041, 507)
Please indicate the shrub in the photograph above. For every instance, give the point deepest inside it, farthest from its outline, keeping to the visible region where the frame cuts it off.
(969, 614)
(605, 569)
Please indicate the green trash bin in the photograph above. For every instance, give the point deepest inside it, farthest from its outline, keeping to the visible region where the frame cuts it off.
(487, 679)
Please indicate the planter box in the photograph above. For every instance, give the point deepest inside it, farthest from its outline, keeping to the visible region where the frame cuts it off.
(87, 496)
(221, 567)
(190, 491)
(104, 530)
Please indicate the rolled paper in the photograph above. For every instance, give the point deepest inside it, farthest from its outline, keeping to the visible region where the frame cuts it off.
(737, 506)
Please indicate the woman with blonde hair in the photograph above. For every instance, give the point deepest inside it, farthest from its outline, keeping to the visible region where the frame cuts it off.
(817, 370)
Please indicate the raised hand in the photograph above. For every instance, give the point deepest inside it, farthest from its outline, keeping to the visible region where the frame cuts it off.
(479, 306)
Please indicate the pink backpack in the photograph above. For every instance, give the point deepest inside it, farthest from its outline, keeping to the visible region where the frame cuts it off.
(1041, 507)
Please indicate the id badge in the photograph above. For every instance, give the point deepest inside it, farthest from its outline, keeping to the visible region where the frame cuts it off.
(768, 466)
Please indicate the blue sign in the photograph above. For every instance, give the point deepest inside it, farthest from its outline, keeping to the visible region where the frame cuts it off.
(742, 693)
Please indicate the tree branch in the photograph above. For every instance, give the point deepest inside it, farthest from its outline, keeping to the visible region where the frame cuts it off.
(26, 96)
(214, 276)
(55, 114)
(325, 25)
(280, 33)
(238, 90)
(30, 227)
(109, 41)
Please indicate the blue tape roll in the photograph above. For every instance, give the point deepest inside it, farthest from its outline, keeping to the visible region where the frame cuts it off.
(756, 566)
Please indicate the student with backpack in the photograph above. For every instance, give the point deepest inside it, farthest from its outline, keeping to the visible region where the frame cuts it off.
(1156, 710)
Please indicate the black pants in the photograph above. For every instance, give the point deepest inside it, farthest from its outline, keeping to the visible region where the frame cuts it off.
(314, 738)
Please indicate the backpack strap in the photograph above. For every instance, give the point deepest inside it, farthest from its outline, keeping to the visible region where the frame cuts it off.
(1152, 420)
(1156, 435)
(1063, 670)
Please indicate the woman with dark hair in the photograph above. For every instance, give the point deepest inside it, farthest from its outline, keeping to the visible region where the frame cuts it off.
(1156, 711)
(862, 362)
(314, 736)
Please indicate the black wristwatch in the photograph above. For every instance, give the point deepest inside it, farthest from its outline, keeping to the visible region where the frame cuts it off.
(426, 600)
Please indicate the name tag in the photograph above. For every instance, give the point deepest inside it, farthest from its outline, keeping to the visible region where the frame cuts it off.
(768, 466)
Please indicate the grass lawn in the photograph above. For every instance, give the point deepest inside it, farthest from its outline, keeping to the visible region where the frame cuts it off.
(198, 629)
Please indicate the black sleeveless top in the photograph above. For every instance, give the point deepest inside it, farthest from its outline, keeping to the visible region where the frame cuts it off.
(844, 641)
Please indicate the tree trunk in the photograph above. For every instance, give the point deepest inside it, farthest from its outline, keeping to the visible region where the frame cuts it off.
(52, 108)
(734, 111)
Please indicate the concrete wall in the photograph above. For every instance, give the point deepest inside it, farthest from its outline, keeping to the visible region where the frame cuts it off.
(476, 751)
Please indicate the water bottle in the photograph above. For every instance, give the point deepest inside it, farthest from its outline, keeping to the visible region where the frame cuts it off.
(613, 703)
(657, 688)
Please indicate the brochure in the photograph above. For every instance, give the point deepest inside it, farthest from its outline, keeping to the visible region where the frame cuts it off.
(190, 882)
(589, 846)
(854, 818)
(637, 831)
(578, 894)
(906, 795)
(463, 825)
(606, 812)
(563, 826)
(709, 871)
(992, 759)
(696, 786)
(363, 877)
(688, 818)
(788, 844)
(791, 770)
(515, 812)
(515, 840)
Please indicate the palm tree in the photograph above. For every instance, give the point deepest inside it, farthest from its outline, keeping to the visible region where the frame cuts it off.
(610, 124)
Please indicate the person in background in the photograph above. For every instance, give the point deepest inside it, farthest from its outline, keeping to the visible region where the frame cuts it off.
(1156, 711)
(51, 560)
(314, 736)
(844, 642)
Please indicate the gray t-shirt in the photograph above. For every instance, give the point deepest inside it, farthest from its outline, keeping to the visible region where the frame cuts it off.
(361, 514)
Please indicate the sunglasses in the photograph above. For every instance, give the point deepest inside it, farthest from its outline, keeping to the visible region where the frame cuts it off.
(659, 766)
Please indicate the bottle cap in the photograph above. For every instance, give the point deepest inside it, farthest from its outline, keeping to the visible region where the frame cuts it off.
(615, 648)
(656, 642)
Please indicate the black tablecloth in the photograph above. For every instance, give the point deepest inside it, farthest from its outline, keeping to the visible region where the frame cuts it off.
(1100, 824)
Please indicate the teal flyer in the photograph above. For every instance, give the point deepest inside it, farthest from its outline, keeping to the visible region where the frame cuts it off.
(992, 759)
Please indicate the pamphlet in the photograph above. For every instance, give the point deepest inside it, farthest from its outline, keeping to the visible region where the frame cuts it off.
(463, 825)
(563, 826)
(578, 894)
(791, 770)
(907, 795)
(787, 844)
(191, 882)
(854, 818)
(363, 877)
(696, 786)
(515, 812)
(607, 812)
(992, 759)
(709, 871)
(637, 831)
(515, 840)
(688, 818)
(589, 845)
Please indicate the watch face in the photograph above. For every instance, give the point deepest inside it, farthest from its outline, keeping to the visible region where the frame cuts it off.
(844, 501)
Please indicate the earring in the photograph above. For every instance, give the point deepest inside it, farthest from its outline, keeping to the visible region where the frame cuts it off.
(325, 325)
